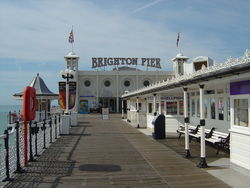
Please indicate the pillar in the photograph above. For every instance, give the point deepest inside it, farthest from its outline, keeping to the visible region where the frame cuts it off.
(122, 109)
(159, 101)
(202, 163)
(154, 105)
(186, 122)
(137, 111)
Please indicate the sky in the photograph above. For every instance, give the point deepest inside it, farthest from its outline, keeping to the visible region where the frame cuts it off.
(34, 34)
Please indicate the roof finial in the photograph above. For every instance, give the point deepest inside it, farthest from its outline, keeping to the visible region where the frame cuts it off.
(37, 74)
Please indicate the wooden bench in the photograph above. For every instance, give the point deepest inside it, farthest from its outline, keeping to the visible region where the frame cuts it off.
(218, 139)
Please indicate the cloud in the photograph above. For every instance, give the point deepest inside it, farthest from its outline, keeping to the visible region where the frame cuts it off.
(146, 6)
(34, 34)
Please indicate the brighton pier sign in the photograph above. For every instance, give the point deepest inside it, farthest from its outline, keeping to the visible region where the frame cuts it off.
(116, 61)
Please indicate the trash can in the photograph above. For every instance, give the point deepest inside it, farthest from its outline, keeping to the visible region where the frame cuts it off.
(159, 131)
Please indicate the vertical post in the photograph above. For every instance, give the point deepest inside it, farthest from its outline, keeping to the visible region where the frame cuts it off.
(159, 101)
(31, 131)
(7, 163)
(117, 90)
(67, 94)
(50, 129)
(154, 105)
(55, 127)
(18, 163)
(36, 132)
(122, 109)
(202, 163)
(137, 112)
(186, 123)
(9, 117)
(44, 134)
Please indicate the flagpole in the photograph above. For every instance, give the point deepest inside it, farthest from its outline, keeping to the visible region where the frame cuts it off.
(72, 42)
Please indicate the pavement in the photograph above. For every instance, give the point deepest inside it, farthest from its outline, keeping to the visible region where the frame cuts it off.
(110, 153)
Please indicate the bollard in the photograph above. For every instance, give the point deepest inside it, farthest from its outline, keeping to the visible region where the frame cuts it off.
(31, 132)
(55, 127)
(36, 132)
(7, 164)
(44, 133)
(50, 130)
(18, 163)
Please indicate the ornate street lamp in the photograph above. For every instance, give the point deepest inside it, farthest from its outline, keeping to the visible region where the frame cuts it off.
(67, 74)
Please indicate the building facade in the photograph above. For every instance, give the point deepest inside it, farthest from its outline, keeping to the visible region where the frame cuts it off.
(99, 88)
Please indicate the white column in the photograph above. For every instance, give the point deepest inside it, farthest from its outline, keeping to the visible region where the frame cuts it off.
(186, 122)
(154, 105)
(137, 112)
(97, 88)
(202, 163)
(159, 101)
(122, 109)
(117, 91)
(67, 97)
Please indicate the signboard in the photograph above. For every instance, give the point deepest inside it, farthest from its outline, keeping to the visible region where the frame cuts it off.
(72, 94)
(62, 94)
(105, 113)
(116, 61)
(240, 88)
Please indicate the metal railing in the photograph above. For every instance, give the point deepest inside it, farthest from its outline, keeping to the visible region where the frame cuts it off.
(40, 136)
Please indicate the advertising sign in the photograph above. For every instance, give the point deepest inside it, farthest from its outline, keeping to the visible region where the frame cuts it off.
(72, 94)
(105, 113)
(62, 95)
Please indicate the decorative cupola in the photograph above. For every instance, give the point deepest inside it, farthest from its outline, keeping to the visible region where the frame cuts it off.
(72, 61)
(179, 64)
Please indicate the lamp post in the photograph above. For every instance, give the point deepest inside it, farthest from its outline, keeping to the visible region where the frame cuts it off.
(67, 74)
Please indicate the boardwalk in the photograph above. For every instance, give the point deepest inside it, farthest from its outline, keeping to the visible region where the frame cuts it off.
(109, 153)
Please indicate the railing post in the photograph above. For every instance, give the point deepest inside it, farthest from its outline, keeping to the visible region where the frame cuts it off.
(44, 134)
(18, 163)
(31, 132)
(36, 132)
(50, 130)
(7, 163)
(10, 117)
(55, 127)
(59, 123)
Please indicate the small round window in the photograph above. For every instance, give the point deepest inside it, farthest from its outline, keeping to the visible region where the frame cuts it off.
(146, 83)
(107, 83)
(87, 83)
(127, 83)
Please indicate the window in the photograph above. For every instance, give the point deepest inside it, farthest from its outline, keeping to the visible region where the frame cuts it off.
(107, 83)
(193, 108)
(126, 83)
(198, 107)
(162, 107)
(140, 106)
(150, 108)
(146, 83)
(205, 108)
(87, 83)
(212, 107)
(241, 112)
(171, 108)
(220, 108)
(181, 107)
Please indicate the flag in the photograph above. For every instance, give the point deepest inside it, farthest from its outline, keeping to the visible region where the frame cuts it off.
(177, 41)
(71, 37)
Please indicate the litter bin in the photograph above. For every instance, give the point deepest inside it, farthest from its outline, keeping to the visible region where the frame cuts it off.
(159, 131)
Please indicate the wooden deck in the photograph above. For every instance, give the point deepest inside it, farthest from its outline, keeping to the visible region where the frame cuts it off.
(110, 153)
